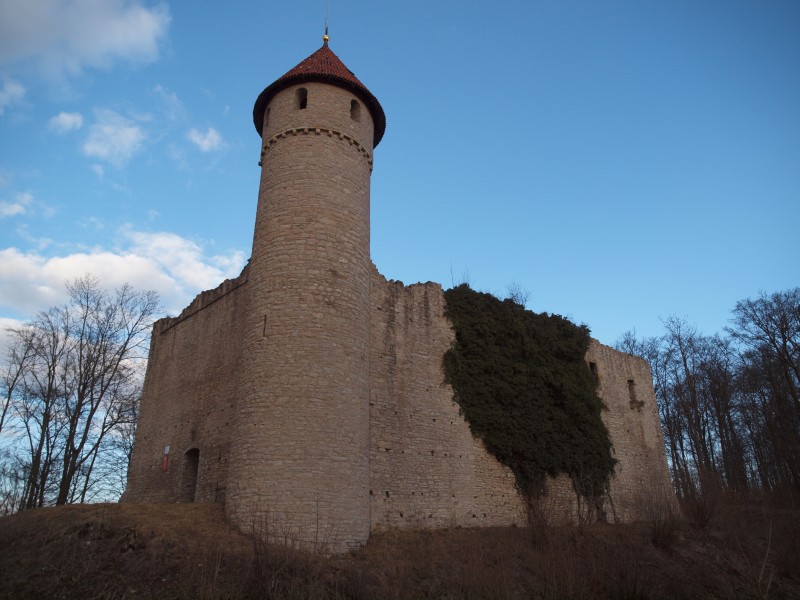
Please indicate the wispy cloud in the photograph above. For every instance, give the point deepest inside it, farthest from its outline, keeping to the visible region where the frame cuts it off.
(64, 122)
(11, 93)
(95, 223)
(208, 141)
(170, 104)
(67, 36)
(175, 267)
(113, 138)
(19, 205)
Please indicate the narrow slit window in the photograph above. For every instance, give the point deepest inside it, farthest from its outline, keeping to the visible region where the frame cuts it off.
(593, 369)
(266, 118)
(355, 110)
(302, 98)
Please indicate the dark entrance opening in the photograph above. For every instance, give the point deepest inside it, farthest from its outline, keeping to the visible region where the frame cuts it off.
(191, 464)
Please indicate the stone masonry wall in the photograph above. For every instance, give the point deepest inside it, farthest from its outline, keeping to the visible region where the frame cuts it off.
(641, 475)
(426, 468)
(188, 402)
(300, 451)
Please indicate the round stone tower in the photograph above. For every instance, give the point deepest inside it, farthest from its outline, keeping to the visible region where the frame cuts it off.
(300, 453)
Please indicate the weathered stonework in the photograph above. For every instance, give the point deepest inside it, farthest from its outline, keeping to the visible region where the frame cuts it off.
(426, 468)
(308, 394)
(188, 402)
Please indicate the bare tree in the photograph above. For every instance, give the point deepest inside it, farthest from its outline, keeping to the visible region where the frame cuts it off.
(18, 360)
(773, 323)
(72, 381)
(768, 328)
(721, 398)
(44, 387)
(107, 332)
(729, 406)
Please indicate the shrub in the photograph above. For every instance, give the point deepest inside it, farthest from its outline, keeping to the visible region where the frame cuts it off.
(663, 518)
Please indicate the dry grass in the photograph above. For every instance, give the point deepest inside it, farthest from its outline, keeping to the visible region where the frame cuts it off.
(187, 551)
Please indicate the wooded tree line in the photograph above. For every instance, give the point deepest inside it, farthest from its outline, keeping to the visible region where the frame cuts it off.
(70, 391)
(730, 404)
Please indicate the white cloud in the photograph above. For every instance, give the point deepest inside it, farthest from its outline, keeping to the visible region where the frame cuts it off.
(64, 122)
(208, 141)
(17, 206)
(184, 260)
(5, 335)
(98, 170)
(175, 267)
(66, 36)
(113, 138)
(11, 93)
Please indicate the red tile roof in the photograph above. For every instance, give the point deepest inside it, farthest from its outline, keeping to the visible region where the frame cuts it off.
(326, 67)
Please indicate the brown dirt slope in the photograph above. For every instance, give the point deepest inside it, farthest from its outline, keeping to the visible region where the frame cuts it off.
(189, 551)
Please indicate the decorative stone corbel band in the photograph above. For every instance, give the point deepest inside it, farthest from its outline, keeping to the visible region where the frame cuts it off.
(318, 131)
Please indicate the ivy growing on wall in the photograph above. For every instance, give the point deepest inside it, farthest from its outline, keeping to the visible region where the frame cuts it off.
(525, 389)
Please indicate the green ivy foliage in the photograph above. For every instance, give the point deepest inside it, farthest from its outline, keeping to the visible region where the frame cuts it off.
(525, 389)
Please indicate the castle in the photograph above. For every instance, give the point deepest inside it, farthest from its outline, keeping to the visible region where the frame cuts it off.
(308, 393)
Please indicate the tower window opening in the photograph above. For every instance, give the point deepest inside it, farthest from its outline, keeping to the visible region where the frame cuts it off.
(266, 118)
(302, 98)
(355, 110)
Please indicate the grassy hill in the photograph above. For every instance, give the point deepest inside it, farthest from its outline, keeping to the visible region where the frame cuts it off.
(188, 551)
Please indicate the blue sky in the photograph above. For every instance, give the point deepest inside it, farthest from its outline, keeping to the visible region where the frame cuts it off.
(620, 161)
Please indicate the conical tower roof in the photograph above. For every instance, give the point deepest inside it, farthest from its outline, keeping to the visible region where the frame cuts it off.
(323, 66)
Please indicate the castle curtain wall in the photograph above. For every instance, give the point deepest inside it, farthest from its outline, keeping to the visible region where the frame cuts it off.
(427, 470)
(641, 476)
(189, 401)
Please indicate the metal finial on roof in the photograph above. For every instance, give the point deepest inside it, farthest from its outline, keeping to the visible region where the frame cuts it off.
(326, 38)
